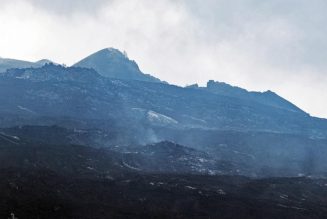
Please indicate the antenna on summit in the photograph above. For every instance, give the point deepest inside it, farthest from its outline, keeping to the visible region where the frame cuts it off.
(125, 54)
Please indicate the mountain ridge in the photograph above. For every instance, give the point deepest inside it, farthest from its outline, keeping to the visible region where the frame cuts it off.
(113, 63)
(77, 143)
(156, 102)
(8, 63)
(267, 97)
(128, 70)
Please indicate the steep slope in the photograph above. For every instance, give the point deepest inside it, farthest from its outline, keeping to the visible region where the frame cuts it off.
(55, 91)
(255, 138)
(112, 63)
(267, 98)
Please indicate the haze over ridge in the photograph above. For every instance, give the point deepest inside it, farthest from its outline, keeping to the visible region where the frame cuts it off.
(275, 45)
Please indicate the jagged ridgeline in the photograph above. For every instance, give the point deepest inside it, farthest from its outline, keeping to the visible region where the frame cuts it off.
(108, 97)
(101, 139)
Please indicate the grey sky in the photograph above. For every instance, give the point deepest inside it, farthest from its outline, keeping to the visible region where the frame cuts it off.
(273, 44)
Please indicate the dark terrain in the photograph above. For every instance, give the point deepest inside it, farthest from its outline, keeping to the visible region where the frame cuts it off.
(71, 181)
(104, 140)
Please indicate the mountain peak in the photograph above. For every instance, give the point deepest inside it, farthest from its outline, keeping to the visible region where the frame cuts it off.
(113, 63)
(110, 53)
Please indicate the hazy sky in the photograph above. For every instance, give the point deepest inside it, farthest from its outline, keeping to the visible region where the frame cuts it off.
(279, 45)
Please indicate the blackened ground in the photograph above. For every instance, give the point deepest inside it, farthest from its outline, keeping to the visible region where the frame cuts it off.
(42, 193)
(38, 180)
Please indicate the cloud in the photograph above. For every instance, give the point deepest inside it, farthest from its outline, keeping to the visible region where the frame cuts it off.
(64, 7)
(275, 44)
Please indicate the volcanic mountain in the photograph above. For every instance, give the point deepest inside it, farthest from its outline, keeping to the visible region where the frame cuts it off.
(112, 63)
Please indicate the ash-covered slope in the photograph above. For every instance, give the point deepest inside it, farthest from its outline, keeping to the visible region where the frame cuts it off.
(255, 137)
(79, 93)
(267, 98)
(39, 180)
(198, 152)
(112, 63)
(67, 151)
(96, 161)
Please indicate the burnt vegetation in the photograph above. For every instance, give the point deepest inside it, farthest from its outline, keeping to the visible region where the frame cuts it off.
(103, 140)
